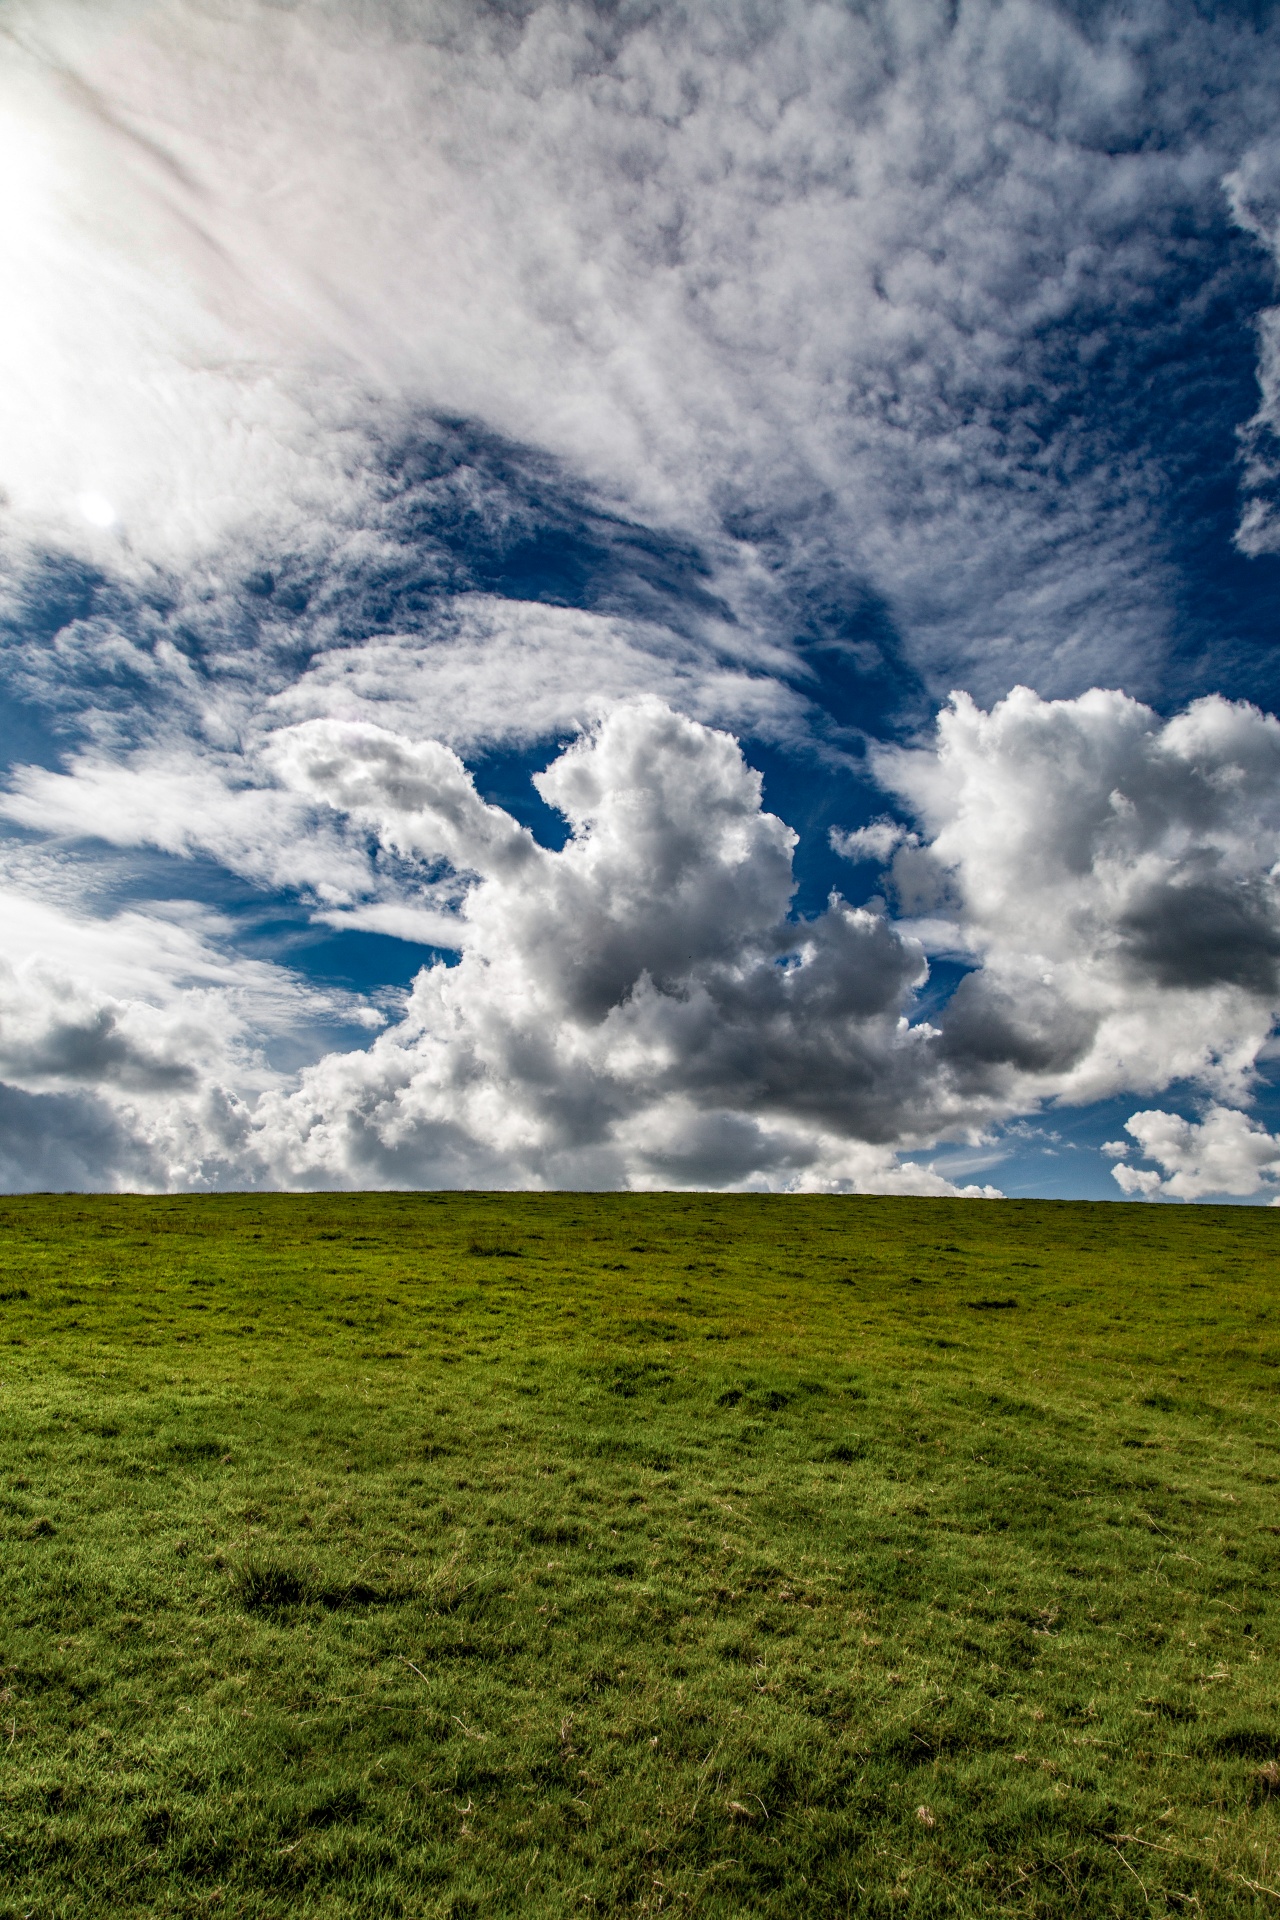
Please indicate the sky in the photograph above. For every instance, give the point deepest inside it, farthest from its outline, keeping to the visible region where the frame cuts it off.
(640, 596)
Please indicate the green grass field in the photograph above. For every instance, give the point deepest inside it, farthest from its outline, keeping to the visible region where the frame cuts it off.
(443, 1555)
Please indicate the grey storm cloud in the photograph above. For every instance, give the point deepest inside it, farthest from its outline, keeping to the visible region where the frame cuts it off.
(1027, 1027)
(93, 1049)
(52, 1142)
(1193, 933)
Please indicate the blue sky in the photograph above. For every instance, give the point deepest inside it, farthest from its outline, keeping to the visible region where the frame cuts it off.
(640, 596)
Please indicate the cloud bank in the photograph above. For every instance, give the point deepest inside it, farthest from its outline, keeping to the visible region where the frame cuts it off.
(641, 1006)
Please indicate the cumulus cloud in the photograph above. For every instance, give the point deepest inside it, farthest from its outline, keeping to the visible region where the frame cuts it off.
(643, 1006)
(875, 842)
(69, 1142)
(639, 1006)
(1115, 876)
(634, 1008)
(57, 1030)
(1225, 1153)
(417, 795)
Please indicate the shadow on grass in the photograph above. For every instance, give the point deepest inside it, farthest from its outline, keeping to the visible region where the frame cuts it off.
(275, 1587)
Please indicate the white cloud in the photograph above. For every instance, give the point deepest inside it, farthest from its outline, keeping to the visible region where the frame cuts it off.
(1225, 1153)
(1253, 190)
(1116, 876)
(635, 1008)
(877, 842)
(185, 803)
(640, 1007)
(798, 272)
(133, 1046)
(496, 669)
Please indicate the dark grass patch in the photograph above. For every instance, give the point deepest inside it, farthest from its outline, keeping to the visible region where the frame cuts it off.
(1249, 1743)
(627, 1378)
(274, 1587)
(194, 1450)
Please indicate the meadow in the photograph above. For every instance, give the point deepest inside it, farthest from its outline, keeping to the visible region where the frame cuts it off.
(471, 1555)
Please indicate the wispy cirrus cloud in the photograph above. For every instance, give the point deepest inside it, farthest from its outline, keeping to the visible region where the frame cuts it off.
(890, 282)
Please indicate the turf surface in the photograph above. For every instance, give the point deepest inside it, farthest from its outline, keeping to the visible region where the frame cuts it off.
(444, 1555)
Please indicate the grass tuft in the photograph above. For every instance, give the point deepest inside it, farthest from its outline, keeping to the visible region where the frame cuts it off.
(265, 1586)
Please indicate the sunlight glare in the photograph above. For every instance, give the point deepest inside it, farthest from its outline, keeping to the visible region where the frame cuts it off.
(97, 509)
